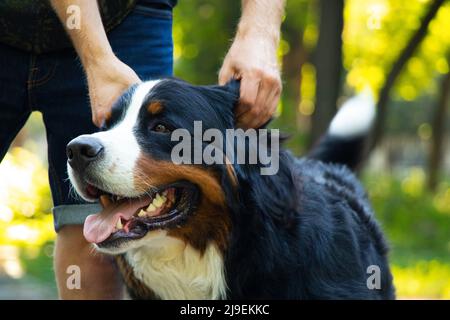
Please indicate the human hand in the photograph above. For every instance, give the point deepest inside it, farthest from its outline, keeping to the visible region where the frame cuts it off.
(107, 80)
(252, 59)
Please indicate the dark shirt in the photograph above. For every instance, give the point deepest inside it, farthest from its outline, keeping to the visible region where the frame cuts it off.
(33, 26)
(159, 3)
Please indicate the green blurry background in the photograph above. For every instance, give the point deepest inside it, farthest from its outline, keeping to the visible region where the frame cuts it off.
(330, 50)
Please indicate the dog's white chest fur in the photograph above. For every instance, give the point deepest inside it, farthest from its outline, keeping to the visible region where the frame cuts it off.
(174, 270)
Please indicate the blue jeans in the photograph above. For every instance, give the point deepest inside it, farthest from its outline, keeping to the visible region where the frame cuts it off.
(54, 84)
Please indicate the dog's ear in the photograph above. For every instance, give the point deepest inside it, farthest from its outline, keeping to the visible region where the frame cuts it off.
(233, 87)
(223, 95)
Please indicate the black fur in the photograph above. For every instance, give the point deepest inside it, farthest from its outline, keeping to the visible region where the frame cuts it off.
(348, 151)
(307, 232)
(316, 244)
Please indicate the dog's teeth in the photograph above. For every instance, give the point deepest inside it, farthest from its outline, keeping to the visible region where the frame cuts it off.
(119, 224)
(158, 201)
(142, 213)
(152, 210)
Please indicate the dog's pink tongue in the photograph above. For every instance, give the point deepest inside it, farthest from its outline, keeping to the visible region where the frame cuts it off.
(98, 227)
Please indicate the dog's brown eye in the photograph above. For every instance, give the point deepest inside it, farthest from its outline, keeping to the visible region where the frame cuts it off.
(160, 128)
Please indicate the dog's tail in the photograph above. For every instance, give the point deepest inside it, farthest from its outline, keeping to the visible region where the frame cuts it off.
(345, 140)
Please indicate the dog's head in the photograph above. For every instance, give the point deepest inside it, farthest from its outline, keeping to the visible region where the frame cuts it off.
(128, 166)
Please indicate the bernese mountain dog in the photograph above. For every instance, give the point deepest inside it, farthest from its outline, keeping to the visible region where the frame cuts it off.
(225, 231)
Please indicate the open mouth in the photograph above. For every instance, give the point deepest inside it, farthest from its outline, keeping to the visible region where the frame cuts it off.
(125, 219)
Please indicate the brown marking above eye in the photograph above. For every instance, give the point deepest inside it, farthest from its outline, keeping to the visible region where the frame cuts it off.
(155, 107)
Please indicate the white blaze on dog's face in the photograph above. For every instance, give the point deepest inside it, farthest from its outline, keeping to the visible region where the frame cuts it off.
(115, 172)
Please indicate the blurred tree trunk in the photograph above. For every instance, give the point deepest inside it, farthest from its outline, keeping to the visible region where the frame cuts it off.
(328, 62)
(291, 70)
(396, 69)
(437, 142)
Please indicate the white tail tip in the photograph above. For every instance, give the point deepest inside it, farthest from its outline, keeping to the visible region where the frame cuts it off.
(355, 117)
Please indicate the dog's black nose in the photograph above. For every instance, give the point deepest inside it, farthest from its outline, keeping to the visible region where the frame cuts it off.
(83, 150)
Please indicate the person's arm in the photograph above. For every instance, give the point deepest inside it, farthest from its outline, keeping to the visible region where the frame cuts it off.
(252, 58)
(107, 76)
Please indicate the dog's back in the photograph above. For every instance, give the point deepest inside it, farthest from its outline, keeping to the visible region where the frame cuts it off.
(343, 243)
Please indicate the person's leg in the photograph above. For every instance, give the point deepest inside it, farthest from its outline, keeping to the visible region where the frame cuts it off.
(57, 89)
(144, 42)
(14, 109)
(99, 277)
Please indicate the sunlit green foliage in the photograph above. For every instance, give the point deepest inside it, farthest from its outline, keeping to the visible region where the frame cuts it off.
(376, 31)
(26, 227)
(203, 31)
(415, 220)
(423, 279)
(417, 224)
(25, 200)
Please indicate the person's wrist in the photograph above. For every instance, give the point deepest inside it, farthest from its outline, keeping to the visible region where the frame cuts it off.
(268, 35)
(263, 48)
(110, 70)
(105, 67)
(96, 58)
